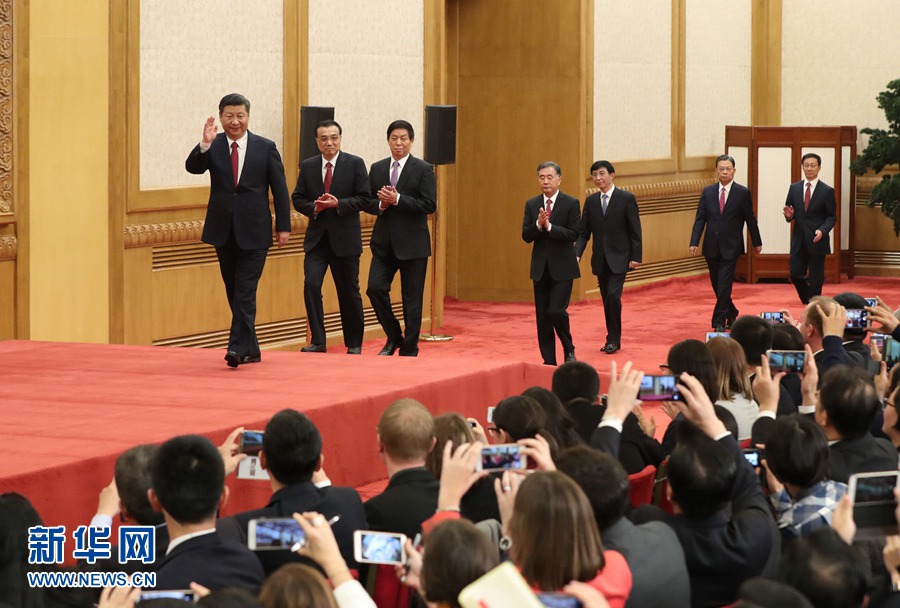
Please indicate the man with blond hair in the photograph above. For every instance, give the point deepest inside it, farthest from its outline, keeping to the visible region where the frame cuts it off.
(405, 437)
(822, 326)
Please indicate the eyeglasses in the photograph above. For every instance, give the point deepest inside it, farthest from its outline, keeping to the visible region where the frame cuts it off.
(809, 166)
(664, 367)
(493, 430)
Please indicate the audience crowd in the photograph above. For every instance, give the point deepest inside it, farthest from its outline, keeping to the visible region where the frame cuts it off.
(751, 505)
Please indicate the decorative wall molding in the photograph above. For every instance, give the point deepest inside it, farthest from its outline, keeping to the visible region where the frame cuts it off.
(864, 186)
(6, 106)
(8, 247)
(657, 271)
(665, 197)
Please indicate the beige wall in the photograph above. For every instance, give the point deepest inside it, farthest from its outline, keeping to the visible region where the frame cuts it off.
(68, 205)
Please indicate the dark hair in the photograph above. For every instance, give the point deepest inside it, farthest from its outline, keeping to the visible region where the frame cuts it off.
(797, 451)
(754, 334)
(292, 446)
(406, 430)
(549, 505)
(852, 300)
(603, 480)
(296, 586)
(132, 474)
(722, 157)
(328, 122)
(401, 124)
(786, 337)
(550, 165)
(522, 417)
(603, 164)
(559, 424)
(701, 472)
(848, 396)
(188, 476)
(727, 418)
(234, 99)
(811, 155)
(447, 427)
(828, 571)
(228, 598)
(457, 555)
(765, 593)
(576, 380)
(694, 357)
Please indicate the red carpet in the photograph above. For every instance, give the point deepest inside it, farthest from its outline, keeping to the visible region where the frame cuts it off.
(70, 409)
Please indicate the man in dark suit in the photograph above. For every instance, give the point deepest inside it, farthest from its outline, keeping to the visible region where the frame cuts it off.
(331, 190)
(551, 223)
(406, 194)
(242, 167)
(292, 453)
(723, 210)
(611, 216)
(188, 486)
(811, 206)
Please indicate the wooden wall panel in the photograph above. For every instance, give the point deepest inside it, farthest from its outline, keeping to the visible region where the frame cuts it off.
(7, 299)
(878, 252)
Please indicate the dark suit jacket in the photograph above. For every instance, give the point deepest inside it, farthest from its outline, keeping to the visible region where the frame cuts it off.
(554, 249)
(350, 185)
(658, 570)
(635, 449)
(724, 231)
(724, 550)
(409, 499)
(864, 455)
(821, 215)
(617, 235)
(211, 561)
(403, 228)
(244, 209)
(303, 497)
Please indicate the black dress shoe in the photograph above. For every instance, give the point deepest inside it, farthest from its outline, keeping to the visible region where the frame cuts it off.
(409, 353)
(232, 359)
(251, 358)
(354, 350)
(719, 328)
(313, 348)
(729, 320)
(389, 347)
(570, 357)
(611, 348)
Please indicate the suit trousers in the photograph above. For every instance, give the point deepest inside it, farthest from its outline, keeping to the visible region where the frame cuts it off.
(551, 299)
(800, 261)
(721, 276)
(241, 270)
(345, 272)
(611, 284)
(412, 287)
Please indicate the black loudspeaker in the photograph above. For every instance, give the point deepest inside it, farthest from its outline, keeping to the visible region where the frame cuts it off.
(440, 135)
(310, 116)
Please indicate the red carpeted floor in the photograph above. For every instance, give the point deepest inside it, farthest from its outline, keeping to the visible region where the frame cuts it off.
(70, 409)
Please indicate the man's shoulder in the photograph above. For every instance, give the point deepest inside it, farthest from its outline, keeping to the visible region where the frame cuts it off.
(253, 138)
(566, 198)
(311, 163)
(740, 188)
(350, 159)
(626, 195)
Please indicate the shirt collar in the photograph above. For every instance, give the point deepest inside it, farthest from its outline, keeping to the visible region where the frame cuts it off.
(609, 192)
(552, 198)
(242, 142)
(333, 161)
(813, 183)
(402, 161)
(181, 539)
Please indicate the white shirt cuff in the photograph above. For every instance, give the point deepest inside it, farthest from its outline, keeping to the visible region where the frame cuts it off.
(204, 147)
(101, 520)
(610, 422)
(721, 436)
(766, 414)
(807, 409)
(323, 484)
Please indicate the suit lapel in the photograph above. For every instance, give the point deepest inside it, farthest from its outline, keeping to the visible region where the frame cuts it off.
(404, 175)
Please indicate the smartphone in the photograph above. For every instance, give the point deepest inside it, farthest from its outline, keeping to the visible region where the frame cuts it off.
(273, 534)
(559, 600)
(871, 301)
(754, 456)
(890, 354)
(659, 388)
(791, 361)
(774, 318)
(877, 341)
(251, 443)
(501, 457)
(857, 318)
(184, 595)
(717, 334)
(874, 503)
(490, 415)
(372, 547)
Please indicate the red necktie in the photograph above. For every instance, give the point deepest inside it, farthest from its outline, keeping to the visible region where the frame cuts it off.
(722, 200)
(234, 162)
(807, 196)
(549, 207)
(328, 176)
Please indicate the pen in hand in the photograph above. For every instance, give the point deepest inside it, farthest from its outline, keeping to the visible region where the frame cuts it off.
(300, 543)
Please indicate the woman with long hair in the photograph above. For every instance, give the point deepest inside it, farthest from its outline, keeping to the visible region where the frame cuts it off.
(733, 382)
(560, 424)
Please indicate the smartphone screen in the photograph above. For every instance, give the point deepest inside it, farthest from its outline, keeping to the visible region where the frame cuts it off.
(857, 318)
(659, 388)
(184, 595)
(379, 547)
(753, 456)
(873, 500)
(559, 600)
(791, 361)
(871, 301)
(251, 442)
(275, 534)
(891, 352)
(717, 334)
(500, 457)
(773, 317)
(490, 415)
(877, 341)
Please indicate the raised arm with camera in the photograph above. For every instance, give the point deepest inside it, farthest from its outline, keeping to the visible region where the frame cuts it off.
(620, 400)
